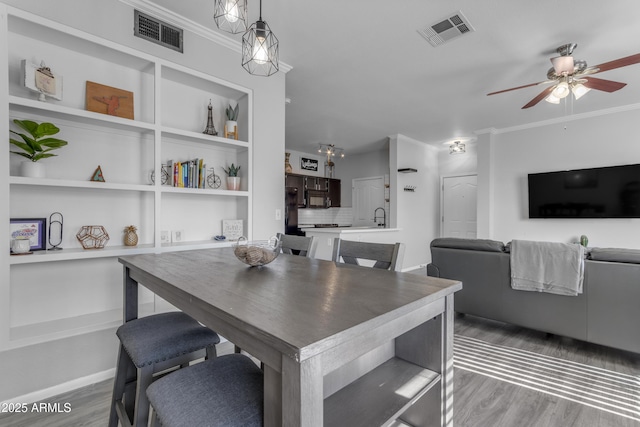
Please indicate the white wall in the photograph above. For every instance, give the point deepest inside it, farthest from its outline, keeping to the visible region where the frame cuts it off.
(604, 140)
(416, 213)
(113, 20)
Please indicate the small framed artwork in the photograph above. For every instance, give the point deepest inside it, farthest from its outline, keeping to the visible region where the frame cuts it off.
(232, 229)
(308, 164)
(109, 100)
(35, 229)
(41, 79)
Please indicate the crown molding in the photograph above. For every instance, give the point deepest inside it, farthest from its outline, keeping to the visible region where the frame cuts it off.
(565, 119)
(173, 18)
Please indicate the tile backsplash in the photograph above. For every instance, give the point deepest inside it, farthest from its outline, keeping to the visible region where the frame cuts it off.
(340, 216)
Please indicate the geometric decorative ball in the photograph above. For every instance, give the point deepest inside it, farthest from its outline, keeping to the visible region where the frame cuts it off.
(93, 236)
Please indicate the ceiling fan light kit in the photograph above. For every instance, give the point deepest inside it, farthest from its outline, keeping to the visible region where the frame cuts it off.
(260, 51)
(574, 76)
(457, 148)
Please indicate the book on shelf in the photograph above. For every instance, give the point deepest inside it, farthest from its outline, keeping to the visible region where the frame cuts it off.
(188, 174)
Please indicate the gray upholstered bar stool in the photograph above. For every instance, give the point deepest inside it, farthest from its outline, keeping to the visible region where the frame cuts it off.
(150, 345)
(225, 391)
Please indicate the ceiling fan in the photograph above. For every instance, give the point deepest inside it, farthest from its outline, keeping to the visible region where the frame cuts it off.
(574, 76)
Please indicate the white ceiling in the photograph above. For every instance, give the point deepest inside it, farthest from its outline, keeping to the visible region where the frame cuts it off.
(361, 71)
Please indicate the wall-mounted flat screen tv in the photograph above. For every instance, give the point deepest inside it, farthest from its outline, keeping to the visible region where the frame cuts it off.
(608, 192)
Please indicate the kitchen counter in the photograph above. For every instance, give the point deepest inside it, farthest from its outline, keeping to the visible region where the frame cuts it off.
(324, 237)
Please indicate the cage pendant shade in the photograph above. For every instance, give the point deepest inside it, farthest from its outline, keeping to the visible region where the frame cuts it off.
(231, 15)
(260, 50)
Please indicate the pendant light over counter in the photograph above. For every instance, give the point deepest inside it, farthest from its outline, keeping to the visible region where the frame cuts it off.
(259, 45)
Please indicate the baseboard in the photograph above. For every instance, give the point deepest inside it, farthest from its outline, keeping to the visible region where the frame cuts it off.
(47, 393)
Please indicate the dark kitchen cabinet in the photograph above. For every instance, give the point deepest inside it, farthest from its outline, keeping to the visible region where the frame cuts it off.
(334, 193)
(298, 182)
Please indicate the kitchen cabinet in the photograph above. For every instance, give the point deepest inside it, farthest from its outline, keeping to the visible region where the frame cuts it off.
(297, 182)
(52, 294)
(316, 183)
(334, 193)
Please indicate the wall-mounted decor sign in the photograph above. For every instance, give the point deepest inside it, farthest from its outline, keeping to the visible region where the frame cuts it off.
(34, 229)
(308, 164)
(109, 100)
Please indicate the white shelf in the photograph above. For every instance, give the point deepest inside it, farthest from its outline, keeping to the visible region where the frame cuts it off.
(44, 182)
(217, 141)
(169, 98)
(75, 253)
(204, 191)
(72, 326)
(18, 104)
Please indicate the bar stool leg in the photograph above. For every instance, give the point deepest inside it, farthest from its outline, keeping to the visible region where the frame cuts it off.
(141, 411)
(119, 383)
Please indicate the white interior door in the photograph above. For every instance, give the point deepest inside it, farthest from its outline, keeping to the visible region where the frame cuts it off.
(459, 206)
(367, 195)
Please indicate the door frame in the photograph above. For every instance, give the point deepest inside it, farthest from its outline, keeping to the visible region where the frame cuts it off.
(442, 178)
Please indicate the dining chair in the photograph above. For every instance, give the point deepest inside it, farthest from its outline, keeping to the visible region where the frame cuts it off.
(225, 391)
(150, 345)
(387, 256)
(297, 245)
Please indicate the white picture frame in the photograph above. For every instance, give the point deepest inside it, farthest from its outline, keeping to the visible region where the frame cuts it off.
(232, 229)
(46, 86)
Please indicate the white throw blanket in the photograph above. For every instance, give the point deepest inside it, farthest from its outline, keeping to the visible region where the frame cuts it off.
(557, 268)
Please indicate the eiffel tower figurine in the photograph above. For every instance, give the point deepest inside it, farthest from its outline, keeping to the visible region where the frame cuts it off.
(210, 130)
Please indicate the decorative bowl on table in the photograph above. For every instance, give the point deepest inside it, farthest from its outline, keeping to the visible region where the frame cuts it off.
(256, 252)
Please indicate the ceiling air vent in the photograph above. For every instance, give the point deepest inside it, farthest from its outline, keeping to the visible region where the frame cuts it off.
(156, 31)
(455, 25)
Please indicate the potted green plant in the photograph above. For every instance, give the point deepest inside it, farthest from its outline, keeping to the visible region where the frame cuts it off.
(233, 180)
(231, 125)
(35, 146)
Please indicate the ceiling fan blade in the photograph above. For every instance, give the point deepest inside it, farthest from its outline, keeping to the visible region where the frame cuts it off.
(604, 85)
(617, 63)
(542, 95)
(520, 87)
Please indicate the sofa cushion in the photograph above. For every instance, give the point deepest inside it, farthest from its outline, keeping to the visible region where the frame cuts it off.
(470, 244)
(615, 255)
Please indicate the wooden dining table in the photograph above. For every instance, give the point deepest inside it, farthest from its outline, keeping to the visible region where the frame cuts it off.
(341, 344)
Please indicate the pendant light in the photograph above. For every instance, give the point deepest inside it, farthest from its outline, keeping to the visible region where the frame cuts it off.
(260, 49)
(231, 15)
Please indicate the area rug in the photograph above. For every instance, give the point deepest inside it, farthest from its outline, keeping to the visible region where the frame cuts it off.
(599, 388)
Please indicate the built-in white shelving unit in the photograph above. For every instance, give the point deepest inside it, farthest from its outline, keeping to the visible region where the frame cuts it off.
(57, 294)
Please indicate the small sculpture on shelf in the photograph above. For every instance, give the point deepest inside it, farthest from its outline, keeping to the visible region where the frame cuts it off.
(93, 236)
(130, 236)
(231, 126)
(55, 231)
(210, 129)
(213, 180)
(98, 176)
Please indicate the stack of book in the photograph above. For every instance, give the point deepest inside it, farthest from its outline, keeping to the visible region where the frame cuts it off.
(188, 174)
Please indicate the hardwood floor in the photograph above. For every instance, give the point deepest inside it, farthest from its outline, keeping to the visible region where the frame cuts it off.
(486, 391)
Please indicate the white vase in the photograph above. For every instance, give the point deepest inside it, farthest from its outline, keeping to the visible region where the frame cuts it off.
(233, 183)
(231, 126)
(31, 169)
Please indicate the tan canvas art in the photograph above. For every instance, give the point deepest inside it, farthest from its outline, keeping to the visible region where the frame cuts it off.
(109, 100)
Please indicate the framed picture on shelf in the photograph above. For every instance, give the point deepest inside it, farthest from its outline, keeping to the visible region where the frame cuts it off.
(35, 229)
(232, 229)
(109, 100)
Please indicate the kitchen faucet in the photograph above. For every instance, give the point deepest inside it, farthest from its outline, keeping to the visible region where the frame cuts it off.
(384, 217)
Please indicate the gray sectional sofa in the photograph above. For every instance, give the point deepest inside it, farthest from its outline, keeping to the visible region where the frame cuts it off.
(606, 313)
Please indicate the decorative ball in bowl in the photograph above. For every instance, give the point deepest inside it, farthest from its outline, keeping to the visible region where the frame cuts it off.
(256, 252)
